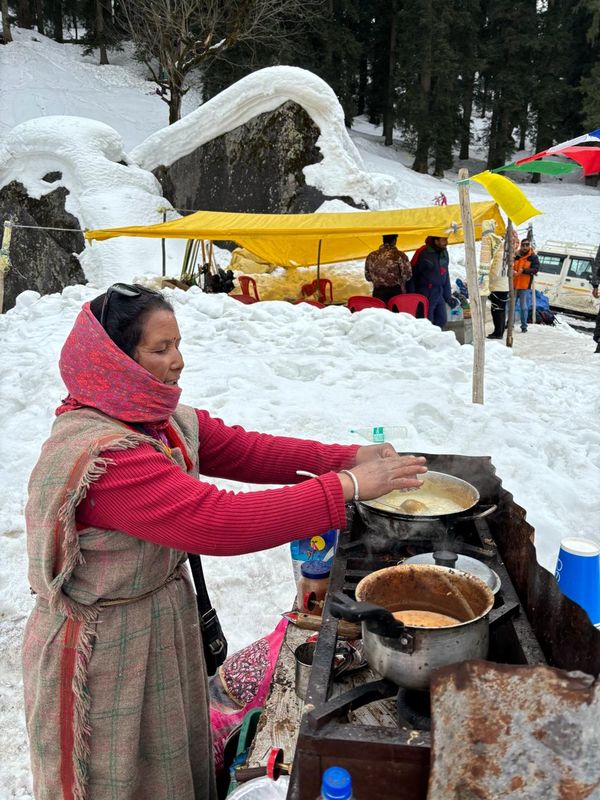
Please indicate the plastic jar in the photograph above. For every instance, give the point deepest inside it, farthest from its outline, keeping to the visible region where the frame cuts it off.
(312, 586)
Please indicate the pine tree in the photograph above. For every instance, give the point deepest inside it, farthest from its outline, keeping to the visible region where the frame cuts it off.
(466, 35)
(508, 62)
(429, 81)
(590, 88)
(103, 29)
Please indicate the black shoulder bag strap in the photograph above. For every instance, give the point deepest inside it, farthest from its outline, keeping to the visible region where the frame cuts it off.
(213, 640)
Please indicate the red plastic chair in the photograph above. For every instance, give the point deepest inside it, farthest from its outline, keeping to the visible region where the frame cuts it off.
(247, 283)
(247, 299)
(320, 288)
(359, 301)
(410, 304)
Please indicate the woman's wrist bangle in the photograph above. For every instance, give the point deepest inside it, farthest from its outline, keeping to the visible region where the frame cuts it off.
(356, 497)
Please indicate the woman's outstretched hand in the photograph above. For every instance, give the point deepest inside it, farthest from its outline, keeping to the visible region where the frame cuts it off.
(370, 451)
(378, 473)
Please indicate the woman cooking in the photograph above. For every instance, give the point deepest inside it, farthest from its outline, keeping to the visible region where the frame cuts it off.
(114, 673)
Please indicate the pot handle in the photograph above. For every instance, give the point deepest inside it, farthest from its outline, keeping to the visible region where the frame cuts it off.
(481, 514)
(381, 621)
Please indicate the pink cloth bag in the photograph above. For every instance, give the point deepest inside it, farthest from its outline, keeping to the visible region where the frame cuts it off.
(241, 684)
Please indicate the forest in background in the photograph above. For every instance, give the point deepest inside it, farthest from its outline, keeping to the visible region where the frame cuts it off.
(425, 68)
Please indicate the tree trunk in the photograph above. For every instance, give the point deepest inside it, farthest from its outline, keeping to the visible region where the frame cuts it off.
(100, 40)
(24, 14)
(6, 34)
(423, 126)
(388, 113)
(361, 101)
(57, 20)
(500, 130)
(467, 105)
(39, 16)
(522, 134)
(174, 103)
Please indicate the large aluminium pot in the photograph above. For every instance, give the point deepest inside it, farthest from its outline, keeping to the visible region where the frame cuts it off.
(408, 653)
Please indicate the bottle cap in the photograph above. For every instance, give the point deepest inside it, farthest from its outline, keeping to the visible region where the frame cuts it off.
(336, 784)
(315, 569)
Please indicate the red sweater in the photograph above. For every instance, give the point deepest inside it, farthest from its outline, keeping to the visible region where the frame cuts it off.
(144, 494)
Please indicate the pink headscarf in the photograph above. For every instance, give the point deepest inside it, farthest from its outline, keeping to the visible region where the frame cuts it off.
(99, 374)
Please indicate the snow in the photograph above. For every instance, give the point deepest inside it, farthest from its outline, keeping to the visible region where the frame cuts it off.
(273, 366)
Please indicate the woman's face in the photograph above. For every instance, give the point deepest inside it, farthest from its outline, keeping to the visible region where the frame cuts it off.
(158, 350)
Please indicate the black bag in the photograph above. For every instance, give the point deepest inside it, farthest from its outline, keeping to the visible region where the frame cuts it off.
(213, 639)
(546, 317)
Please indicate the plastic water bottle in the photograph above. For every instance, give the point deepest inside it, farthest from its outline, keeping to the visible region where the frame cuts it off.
(336, 784)
(381, 433)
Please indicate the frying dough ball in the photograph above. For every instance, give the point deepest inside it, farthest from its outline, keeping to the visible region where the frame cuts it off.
(413, 506)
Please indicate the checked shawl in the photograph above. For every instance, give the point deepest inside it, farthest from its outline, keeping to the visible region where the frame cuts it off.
(115, 695)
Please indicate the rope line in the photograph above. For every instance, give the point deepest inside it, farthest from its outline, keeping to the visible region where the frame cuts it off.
(45, 228)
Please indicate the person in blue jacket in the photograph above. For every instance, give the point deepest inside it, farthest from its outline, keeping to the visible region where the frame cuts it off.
(431, 278)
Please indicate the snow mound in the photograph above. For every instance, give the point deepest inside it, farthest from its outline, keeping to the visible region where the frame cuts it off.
(341, 172)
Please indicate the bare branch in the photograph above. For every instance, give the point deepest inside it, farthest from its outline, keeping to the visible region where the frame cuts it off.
(182, 34)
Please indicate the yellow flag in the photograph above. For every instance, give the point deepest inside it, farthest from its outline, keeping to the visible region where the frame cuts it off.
(508, 196)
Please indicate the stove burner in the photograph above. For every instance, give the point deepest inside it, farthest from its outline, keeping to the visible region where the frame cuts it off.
(414, 708)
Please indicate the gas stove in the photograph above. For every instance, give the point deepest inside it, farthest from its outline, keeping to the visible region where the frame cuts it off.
(381, 733)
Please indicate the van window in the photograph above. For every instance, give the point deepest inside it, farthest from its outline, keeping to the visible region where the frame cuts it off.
(551, 263)
(580, 268)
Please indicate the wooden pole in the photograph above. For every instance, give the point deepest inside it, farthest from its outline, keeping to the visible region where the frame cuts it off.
(163, 247)
(533, 299)
(319, 272)
(509, 265)
(473, 286)
(4, 258)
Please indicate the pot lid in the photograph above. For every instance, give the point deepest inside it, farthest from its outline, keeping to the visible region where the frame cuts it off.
(465, 563)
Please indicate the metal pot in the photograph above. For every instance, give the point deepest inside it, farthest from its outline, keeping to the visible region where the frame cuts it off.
(435, 485)
(407, 654)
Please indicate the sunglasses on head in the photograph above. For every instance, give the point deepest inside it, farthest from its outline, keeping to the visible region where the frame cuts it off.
(124, 290)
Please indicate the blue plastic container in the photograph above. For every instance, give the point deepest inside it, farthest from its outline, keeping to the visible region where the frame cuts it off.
(578, 573)
(317, 548)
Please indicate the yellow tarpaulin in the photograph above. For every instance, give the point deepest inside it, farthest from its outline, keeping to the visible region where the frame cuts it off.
(292, 240)
(510, 198)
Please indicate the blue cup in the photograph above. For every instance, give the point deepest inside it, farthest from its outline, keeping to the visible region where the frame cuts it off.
(578, 573)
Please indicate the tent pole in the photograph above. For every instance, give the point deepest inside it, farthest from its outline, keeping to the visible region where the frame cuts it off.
(533, 297)
(163, 247)
(473, 286)
(319, 272)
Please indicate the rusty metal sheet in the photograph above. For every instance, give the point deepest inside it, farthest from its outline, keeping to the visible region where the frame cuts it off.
(517, 732)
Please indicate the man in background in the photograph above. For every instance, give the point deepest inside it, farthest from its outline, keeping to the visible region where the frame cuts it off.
(432, 279)
(526, 265)
(388, 269)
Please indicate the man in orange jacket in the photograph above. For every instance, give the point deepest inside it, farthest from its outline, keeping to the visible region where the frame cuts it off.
(526, 265)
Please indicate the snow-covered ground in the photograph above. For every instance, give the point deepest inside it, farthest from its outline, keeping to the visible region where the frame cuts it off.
(274, 366)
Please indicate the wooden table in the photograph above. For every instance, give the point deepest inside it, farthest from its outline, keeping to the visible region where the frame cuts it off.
(283, 709)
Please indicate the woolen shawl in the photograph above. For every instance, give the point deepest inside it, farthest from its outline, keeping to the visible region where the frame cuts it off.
(98, 374)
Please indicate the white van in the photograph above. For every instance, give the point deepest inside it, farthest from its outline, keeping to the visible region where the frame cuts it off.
(565, 273)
